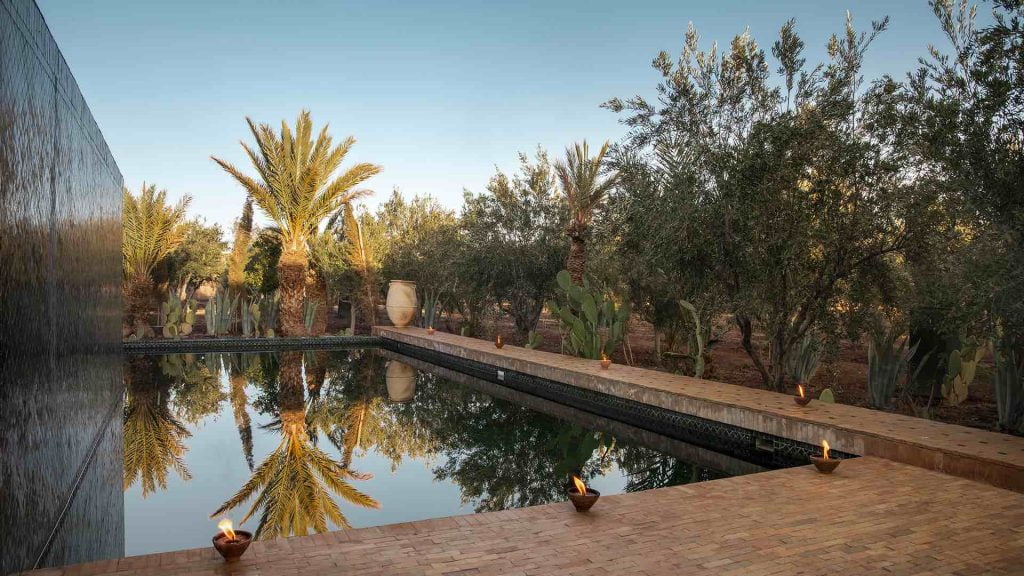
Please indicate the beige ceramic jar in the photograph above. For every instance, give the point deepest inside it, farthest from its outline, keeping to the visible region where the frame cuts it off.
(401, 302)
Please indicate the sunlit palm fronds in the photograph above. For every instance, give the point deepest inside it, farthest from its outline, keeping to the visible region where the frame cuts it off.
(295, 184)
(293, 487)
(584, 189)
(151, 228)
(154, 442)
(360, 256)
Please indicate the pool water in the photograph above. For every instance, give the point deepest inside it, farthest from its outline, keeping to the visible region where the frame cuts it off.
(300, 442)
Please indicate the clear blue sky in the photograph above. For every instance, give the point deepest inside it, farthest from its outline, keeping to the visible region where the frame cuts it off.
(439, 93)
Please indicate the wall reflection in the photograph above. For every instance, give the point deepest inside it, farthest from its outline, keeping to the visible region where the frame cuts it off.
(60, 303)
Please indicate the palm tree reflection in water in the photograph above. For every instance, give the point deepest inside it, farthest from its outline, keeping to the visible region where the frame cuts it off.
(292, 486)
(498, 453)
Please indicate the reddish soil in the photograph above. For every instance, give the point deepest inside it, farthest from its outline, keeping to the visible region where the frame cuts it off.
(846, 374)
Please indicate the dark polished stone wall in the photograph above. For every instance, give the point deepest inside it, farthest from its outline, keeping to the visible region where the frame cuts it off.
(60, 305)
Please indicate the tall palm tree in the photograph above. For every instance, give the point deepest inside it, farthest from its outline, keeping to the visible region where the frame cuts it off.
(152, 229)
(296, 188)
(585, 191)
(239, 405)
(239, 254)
(154, 441)
(359, 254)
(293, 485)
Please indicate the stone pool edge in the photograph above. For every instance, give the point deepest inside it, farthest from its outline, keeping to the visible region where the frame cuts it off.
(758, 410)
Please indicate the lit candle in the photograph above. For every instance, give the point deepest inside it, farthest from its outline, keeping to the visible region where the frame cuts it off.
(498, 342)
(801, 399)
(226, 527)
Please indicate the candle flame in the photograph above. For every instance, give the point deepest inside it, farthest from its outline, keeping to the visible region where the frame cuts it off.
(801, 389)
(580, 486)
(225, 527)
(604, 356)
(498, 339)
(824, 448)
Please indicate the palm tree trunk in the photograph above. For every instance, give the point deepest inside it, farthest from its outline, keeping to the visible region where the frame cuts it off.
(577, 261)
(139, 300)
(291, 399)
(291, 273)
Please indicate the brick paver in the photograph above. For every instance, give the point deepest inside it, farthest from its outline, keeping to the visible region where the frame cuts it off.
(872, 516)
(997, 459)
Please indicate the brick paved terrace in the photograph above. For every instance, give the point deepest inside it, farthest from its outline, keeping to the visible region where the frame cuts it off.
(990, 457)
(872, 516)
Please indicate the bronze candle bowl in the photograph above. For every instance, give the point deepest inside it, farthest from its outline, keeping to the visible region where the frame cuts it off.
(499, 344)
(583, 502)
(232, 550)
(605, 363)
(802, 400)
(825, 465)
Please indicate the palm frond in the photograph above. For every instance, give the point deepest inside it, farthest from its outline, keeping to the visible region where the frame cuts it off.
(295, 184)
(152, 228)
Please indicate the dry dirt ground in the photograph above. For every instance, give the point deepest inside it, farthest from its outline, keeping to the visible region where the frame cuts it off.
(845, 374)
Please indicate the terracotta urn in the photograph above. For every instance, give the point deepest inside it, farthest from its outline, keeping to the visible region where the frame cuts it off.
(401, 381)
(401, 303)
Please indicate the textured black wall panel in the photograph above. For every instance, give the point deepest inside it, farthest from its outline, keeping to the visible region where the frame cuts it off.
(60, 304)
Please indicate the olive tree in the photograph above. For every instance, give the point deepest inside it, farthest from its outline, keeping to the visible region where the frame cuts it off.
(770, 196)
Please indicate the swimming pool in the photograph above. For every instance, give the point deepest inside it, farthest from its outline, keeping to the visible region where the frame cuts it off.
(298, 442)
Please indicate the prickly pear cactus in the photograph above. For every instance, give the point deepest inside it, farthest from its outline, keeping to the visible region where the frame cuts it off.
(593, 324)
(961, 367)
(827, 396)
(533, 340)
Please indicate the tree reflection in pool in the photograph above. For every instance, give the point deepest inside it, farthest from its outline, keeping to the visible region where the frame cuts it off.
(302, 442)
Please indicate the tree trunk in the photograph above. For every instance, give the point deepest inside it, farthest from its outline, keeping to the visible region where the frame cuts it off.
(291, 399)
(371, 304)
(291, 273)
(316, 374)
(140, 300)
(577, 262)
(317, 290)
(746, 331)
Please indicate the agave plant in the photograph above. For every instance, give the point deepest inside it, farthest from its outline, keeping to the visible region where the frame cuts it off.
(152, 229)
(888, 359)
(1009, 385)
(584, 190)
(293, 485)
(296, 188)
(803, 363)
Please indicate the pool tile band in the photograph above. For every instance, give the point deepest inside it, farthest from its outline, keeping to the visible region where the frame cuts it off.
(756, 447)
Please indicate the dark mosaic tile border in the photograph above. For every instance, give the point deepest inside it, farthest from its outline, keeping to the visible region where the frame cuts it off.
(756, 447)
(159, 346)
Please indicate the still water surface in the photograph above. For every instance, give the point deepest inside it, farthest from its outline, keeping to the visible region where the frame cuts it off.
(300, 442)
